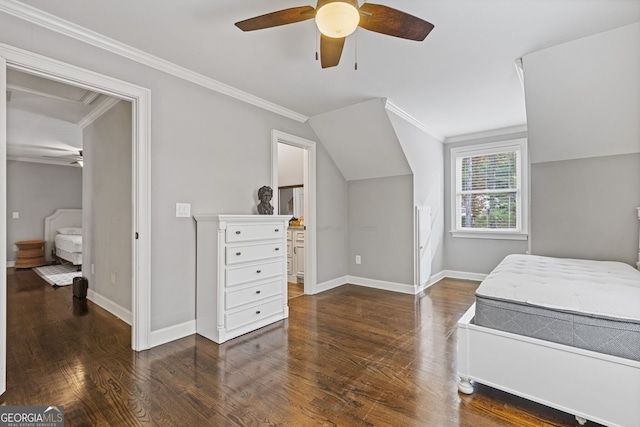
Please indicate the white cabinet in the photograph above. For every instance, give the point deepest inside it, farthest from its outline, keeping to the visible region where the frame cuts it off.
(295, 255)
(298, 253)
(241, 274)
(290, 277)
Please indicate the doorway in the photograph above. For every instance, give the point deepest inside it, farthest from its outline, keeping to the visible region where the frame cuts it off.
(31, 63)
(303, 251)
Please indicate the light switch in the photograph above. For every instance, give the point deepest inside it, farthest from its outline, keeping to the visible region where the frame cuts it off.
(183, 210)
(16, 215)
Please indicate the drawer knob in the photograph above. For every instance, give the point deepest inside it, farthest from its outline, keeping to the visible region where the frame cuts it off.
(258, 312)
(277, 229)
(258, 271)
(238, 232)
(277, 249)
(257, 292)
(238, 253)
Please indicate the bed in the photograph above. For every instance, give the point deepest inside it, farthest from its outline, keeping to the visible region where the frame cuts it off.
(63, 236)
(561, 332)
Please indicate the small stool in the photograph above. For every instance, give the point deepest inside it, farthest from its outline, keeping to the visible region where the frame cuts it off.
(30, 253)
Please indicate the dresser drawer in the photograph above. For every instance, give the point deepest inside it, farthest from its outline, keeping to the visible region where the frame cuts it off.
(236, 276)
(253, 314)
(236, 298)
(237, 254)
(247, 232)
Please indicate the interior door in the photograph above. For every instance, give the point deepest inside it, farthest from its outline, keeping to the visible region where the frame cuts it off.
(424, 244)
(3, 225)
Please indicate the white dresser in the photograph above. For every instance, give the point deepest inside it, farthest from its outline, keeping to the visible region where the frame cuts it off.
(241, 274)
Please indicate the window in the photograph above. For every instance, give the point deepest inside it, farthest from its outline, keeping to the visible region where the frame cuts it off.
(489, 184)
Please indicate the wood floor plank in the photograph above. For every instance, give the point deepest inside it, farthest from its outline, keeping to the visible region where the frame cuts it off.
(351, 356)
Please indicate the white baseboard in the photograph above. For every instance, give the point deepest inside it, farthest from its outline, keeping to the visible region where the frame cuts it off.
(330, 284)
(381, 284)
(113, 308)
(432, 281)
(464, 275)
(159, 337)
(172, 333)
(398, 287)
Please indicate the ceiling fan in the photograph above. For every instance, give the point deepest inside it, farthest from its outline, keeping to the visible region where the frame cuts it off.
(77, 158)
(336, 19)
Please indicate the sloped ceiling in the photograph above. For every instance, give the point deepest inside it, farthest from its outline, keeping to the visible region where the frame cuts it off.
(362, 141)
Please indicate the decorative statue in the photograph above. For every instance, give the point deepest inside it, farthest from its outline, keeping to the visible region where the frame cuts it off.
(265, 194)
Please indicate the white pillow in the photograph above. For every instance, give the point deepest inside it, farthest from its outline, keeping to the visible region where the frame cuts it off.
(70, 230)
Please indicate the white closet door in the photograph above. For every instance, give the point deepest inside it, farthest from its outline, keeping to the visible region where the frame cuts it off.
(424, 244)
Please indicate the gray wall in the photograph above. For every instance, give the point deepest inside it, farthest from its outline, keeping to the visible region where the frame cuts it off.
(425, 156)
(584, 208)
(36, 190)
(107, 226)
(467, 254)
(381, 228)
(332, 218)
(583, 104)
(207, 149)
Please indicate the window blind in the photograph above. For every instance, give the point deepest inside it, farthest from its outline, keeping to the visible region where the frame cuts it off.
(489, 191)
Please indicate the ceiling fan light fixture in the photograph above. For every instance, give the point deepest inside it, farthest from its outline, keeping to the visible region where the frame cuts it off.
(338, 19)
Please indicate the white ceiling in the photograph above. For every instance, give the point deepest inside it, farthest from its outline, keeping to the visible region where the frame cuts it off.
(45, 118)
(460, 80)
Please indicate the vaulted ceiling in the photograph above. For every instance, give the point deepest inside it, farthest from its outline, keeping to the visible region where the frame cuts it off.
(460, 80)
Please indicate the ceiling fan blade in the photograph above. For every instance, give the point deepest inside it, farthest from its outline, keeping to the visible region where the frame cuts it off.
(330, 50)
(274, 19)
(392, 22)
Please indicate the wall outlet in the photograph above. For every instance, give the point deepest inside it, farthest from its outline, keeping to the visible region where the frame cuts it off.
(358, 259)
(113, 278)
(15, 248)
(16, 215)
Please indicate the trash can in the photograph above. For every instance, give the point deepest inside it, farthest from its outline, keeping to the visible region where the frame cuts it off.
(80, 285)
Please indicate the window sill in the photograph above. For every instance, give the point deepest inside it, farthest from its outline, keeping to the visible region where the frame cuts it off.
(478, 234)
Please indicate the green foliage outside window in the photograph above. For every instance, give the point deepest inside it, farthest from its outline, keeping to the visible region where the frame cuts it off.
(488, 197)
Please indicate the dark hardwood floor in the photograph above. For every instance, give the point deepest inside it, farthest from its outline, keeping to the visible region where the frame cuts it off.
(295, 290)
(351, 356)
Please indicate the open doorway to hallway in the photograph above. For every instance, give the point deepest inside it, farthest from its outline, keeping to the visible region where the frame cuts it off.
(291, 202)
(294, 177)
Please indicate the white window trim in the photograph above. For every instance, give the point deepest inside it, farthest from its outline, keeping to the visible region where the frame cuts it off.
(519, 145)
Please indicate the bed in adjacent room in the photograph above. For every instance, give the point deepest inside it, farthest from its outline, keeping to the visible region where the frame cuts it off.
(561, 332)
(63, 236)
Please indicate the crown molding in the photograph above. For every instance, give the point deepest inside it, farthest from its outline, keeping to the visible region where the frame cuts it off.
(102, 108)
(391, 106)
(77, 32)
(42, 161)
(487, 134)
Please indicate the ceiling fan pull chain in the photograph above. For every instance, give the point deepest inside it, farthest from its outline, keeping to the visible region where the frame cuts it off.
(355, 65)
(317, 42)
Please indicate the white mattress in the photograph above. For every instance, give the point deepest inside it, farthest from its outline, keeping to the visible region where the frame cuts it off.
(602, 288)
(73, 257)
(68, 243)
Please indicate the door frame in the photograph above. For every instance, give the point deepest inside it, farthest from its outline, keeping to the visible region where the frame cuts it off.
(140, 98)
(309, 181)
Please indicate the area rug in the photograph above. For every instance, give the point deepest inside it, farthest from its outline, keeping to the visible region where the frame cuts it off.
(58, 275)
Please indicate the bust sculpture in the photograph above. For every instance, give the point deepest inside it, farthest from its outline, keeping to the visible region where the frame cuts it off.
(265, 194)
